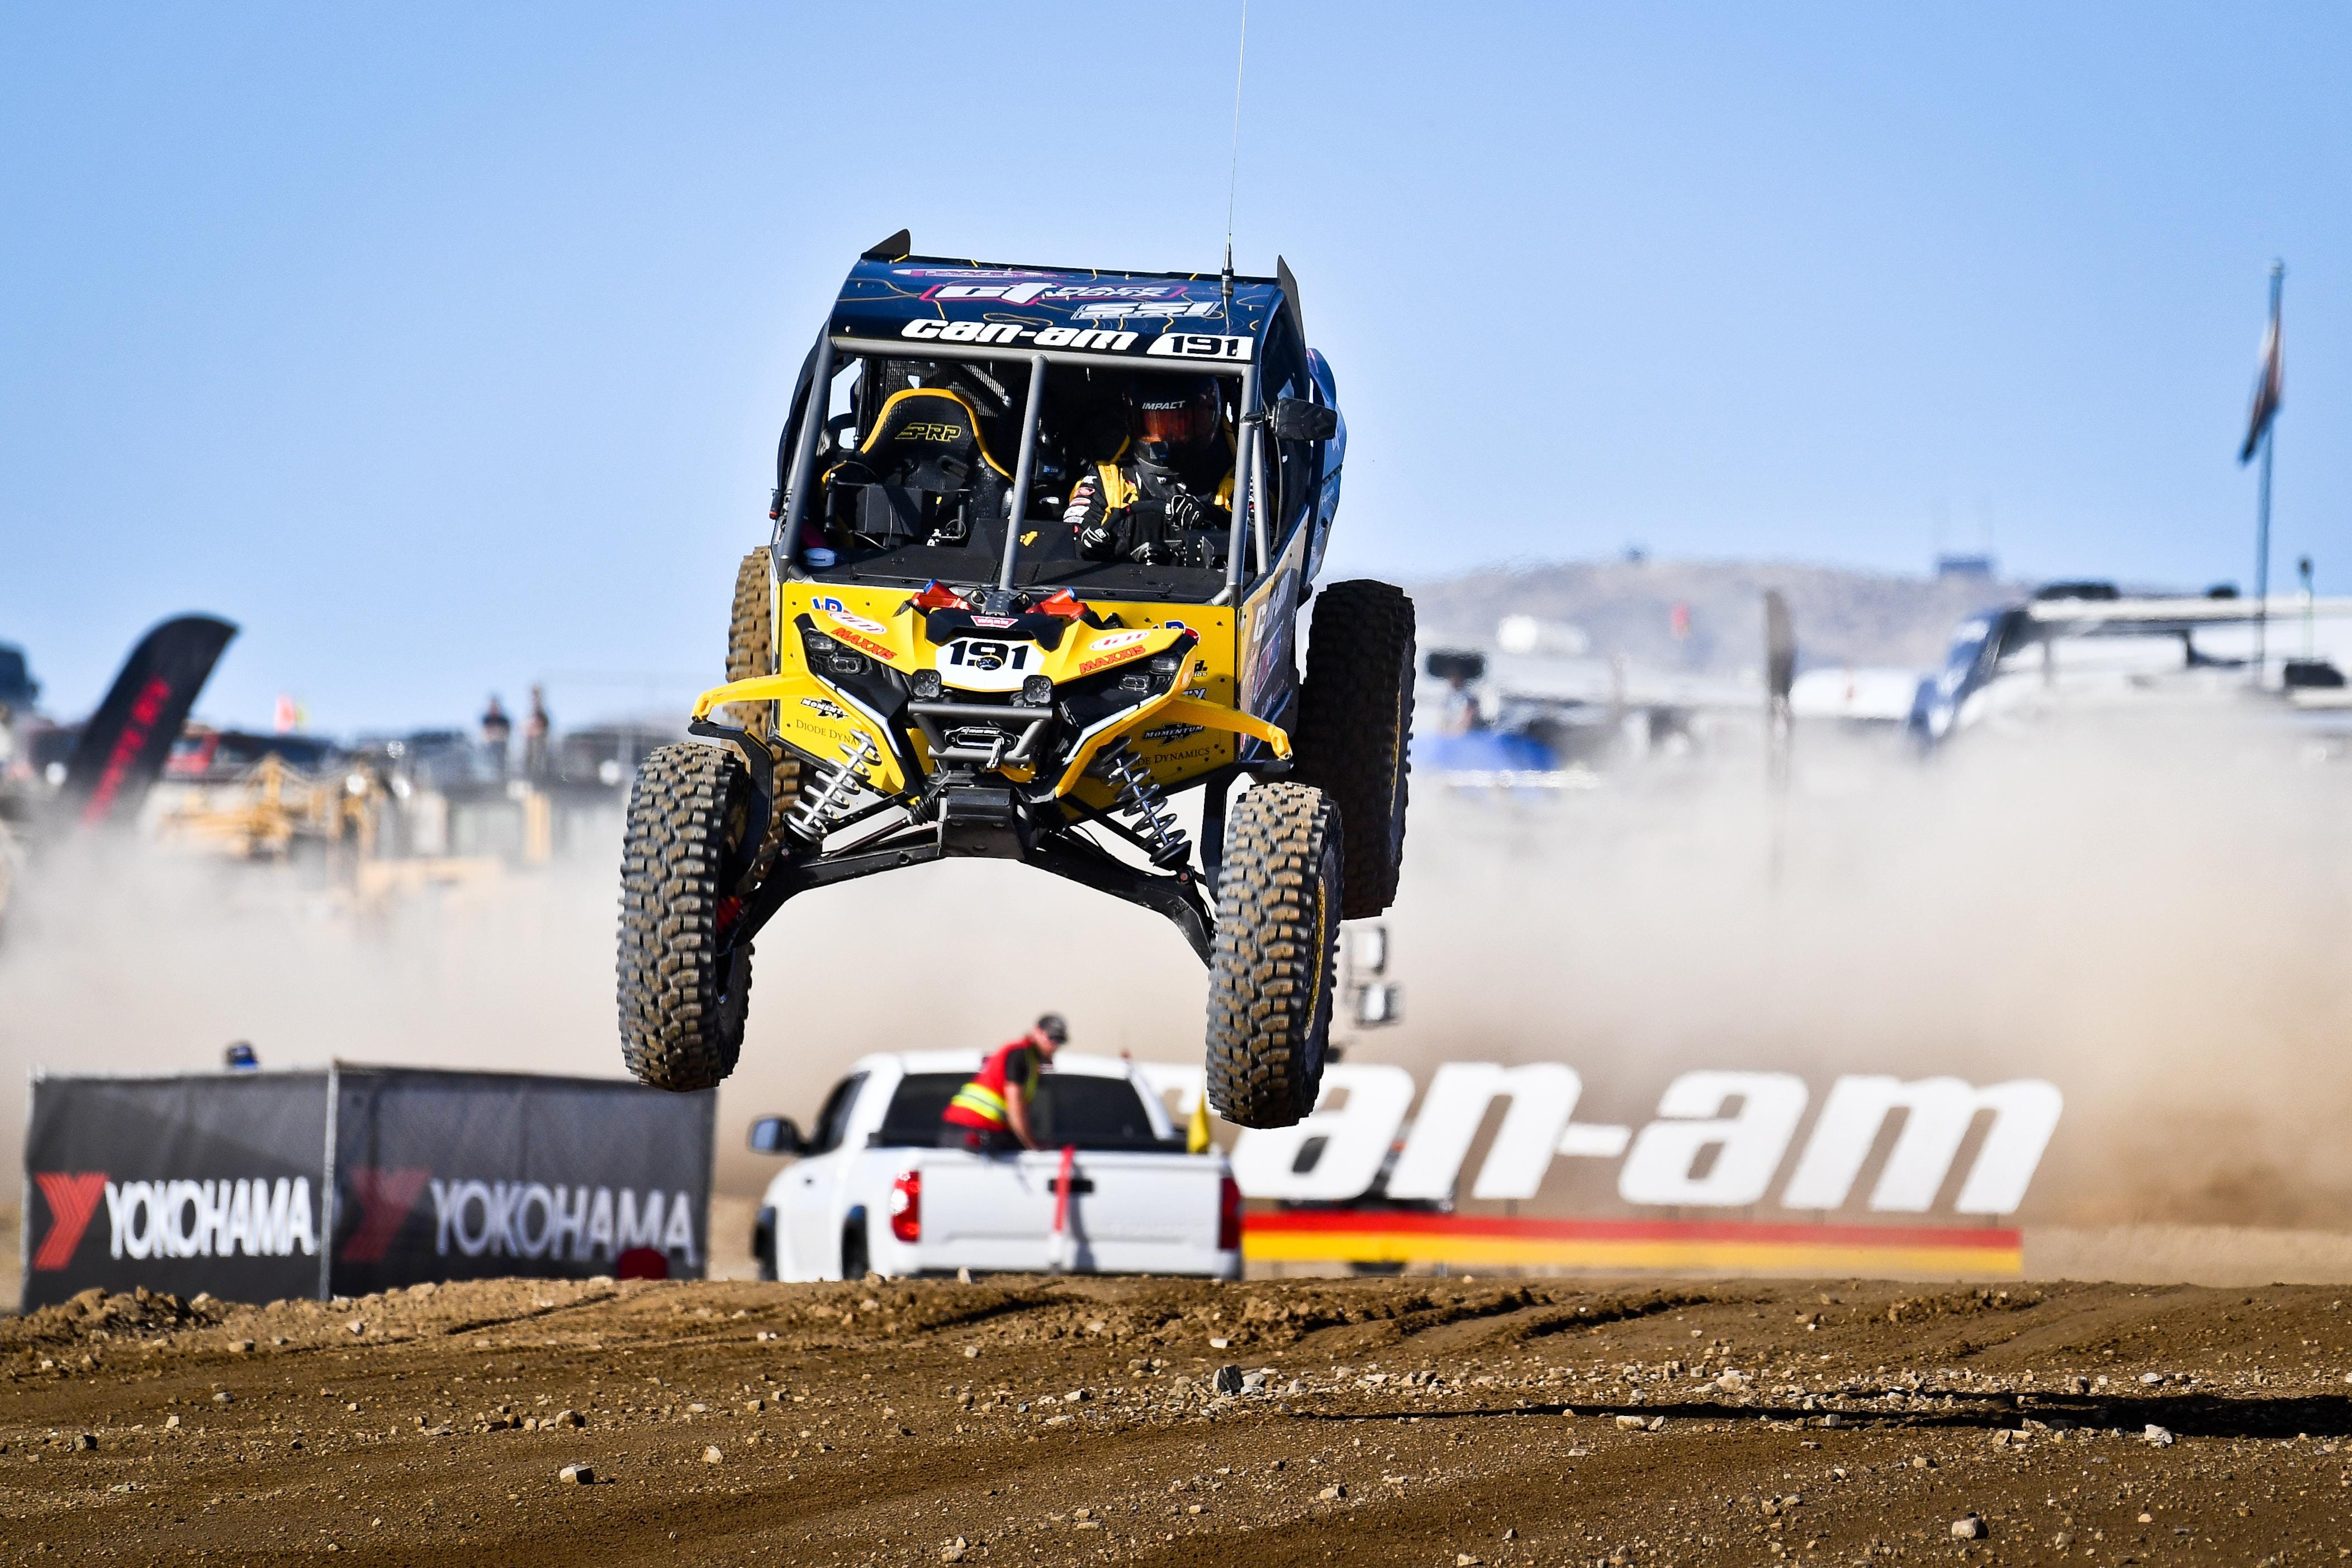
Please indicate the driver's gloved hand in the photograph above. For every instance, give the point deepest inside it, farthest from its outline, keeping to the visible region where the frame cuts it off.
(1093, 524)
(1189, 514)
(1184, 509)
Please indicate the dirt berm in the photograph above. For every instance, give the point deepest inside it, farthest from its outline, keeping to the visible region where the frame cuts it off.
(1439, 1422)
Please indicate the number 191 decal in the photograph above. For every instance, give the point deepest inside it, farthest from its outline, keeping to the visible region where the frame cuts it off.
(1197, 346)
(983, 664)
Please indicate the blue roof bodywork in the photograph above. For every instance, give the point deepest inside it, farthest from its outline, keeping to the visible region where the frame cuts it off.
(1144, 314)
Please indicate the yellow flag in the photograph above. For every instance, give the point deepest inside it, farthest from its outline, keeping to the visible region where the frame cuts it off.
(1196, 1135)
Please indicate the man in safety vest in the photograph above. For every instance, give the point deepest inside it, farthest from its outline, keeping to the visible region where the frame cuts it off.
(1164, 499)
(989, 1114)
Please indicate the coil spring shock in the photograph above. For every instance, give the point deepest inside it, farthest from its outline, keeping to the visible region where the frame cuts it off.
(1140, 796)
(816, 808)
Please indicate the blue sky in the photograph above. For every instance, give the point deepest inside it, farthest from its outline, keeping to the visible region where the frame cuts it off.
(443, 348)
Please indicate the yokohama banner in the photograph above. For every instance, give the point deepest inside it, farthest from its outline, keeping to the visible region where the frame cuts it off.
(184, 1185)
(460, 1176)
(260, 1185)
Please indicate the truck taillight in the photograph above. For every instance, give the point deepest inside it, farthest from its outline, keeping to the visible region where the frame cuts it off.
(907, 1207)
(1229, 1215)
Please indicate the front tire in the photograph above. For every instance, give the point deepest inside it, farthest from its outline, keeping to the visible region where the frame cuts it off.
(1275, 962)
(1355, 729)
(683, 999)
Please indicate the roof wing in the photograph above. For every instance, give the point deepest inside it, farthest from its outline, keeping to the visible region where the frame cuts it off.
(967, 308)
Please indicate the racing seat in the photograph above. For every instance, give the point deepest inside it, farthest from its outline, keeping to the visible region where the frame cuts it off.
(922, 476)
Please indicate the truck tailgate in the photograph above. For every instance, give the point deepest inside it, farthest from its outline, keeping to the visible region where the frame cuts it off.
(1130, 1212)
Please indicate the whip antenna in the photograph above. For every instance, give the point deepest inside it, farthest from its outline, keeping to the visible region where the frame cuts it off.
(1232, 172)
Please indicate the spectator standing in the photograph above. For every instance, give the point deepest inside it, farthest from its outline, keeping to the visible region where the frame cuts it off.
(535, 731)
(497, 730)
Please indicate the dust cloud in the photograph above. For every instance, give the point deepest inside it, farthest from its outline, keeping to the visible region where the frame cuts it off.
(2152, 915)
(138, 961)
(2155, 921)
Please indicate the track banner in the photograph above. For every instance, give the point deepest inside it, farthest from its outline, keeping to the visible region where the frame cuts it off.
(181, 1183)
(461, 1176)
(261, 1186)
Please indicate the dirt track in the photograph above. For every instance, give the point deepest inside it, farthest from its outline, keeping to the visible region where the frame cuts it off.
(1419, 1421)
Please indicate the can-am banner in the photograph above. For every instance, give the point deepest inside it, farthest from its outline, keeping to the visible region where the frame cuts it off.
(256, 1187)
(1720, 1140)
(1766, 1158)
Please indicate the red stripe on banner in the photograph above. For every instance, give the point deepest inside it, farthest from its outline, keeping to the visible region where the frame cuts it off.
(1409, 1222)
(72, 1199)
(386, 1197)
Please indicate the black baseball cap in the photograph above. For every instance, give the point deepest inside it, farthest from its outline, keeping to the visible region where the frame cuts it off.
(1054, 1026)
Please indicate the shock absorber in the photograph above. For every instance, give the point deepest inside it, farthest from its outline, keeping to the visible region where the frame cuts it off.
(818, 807)
(1139, 795)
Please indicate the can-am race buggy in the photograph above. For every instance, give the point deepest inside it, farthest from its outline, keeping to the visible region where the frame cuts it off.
(923, 664)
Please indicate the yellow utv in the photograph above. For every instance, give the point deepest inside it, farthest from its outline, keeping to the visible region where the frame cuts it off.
(1043, 537)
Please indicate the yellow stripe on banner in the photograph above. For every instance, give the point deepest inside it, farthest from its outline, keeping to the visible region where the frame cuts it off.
(1629, 1255)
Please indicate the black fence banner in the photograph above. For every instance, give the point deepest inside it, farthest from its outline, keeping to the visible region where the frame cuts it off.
(457, 1175)
(203, 1183)
(262, 1185)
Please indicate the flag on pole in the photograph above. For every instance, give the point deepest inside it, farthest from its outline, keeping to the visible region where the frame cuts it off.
(2270, 386)
(1196, 1134)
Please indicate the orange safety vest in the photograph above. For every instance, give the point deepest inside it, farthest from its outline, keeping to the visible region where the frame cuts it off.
(980, 1101)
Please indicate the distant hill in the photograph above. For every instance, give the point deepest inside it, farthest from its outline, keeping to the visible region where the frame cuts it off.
(1843, 617)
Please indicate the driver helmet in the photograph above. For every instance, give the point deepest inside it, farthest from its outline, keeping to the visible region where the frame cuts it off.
(1173, 413)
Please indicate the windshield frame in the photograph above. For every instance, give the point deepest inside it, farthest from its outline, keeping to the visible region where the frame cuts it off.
(1251, 528)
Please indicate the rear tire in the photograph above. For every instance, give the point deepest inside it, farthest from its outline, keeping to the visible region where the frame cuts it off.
(1355, 729)
(682, 1004)
(1276, 958)
(751, 652)
(752, 641)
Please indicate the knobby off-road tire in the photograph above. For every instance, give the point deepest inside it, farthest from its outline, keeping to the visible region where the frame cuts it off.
(1355, 729)
(682, 1009)
(1276, 958)
(752, 641)
(751, 651)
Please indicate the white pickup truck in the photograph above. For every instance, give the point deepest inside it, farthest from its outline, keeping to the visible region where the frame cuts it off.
(870, 1188)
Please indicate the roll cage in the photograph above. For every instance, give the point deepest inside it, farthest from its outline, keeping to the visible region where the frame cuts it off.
(1065, 397)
